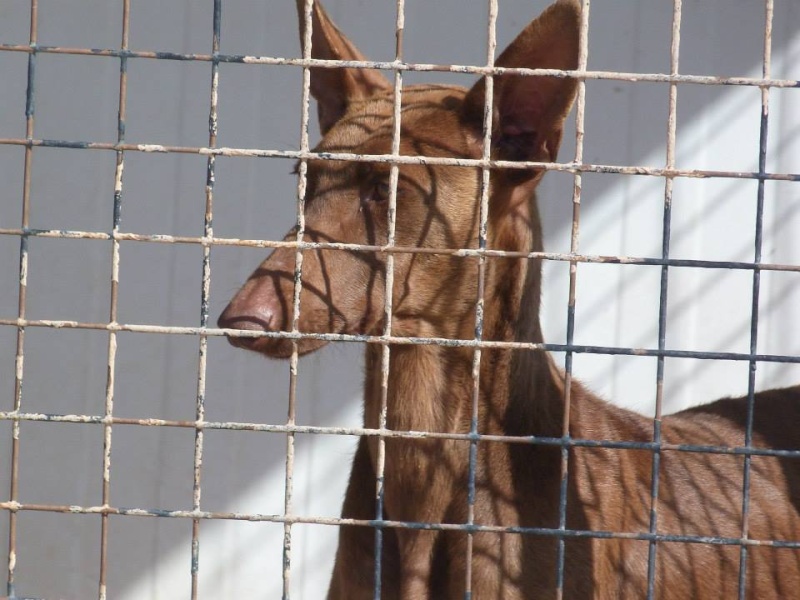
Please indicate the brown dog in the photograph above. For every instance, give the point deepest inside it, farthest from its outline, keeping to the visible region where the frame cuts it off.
(430, 387)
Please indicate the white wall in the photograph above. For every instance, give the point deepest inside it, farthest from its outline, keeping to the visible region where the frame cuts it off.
(76, 99)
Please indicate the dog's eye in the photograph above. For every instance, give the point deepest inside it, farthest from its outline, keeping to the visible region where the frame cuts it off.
(377, 191)
(380, 191)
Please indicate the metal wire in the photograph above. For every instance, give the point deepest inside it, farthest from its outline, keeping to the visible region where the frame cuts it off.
(112, 317)
(672, 125)
(487, 165)
(366, 248)
(302, 186)
(202, 361)
(22, 300)
(580, 117)
(282, 518)
(411, 160)
(410, 434)
(414, 341)
(759, 230)
(394, 171)
(483, 219)
(392, 66)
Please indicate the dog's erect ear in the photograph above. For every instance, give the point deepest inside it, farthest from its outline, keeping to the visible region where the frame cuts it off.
(529, 112)
(335, 88)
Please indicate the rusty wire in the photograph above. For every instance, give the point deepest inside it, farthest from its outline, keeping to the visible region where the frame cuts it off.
(393, 66)
(672, 121)
(22, 300)
(302, 184)
(112, 316)
(394, 172)
(580, 118)
(483, 219)
(759, 230)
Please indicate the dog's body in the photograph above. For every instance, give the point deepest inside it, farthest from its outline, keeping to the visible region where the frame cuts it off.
(521, 393)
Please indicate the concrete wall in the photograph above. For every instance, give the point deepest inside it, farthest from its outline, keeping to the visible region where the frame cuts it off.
(65, 370)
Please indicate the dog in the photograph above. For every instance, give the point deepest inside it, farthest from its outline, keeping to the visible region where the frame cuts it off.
(521, 392)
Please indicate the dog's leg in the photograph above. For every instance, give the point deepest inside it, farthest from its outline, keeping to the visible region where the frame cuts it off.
(354, 571)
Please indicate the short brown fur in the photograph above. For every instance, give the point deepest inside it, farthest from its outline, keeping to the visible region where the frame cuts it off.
(521, 392)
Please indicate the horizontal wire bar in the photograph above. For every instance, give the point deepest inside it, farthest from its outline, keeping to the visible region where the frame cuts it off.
(566, 442)
(374, 523)
(404, 66)
(396, 340)
(401, 159)
(462, 252)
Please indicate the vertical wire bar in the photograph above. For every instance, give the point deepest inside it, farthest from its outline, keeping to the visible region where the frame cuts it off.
(580, 121)
(488, 110)
(663, 296)
(298, 286)
(751, 383)
(22, 299)
(112, 317)
(388, 296)
(202, 359)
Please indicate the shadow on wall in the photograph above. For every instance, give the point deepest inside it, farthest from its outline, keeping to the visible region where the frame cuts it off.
(156, 375)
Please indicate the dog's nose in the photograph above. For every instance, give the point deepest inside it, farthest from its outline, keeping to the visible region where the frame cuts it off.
(253, 309)
(256, 319)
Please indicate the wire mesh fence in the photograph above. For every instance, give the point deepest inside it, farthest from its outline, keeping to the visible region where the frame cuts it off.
(755, 263)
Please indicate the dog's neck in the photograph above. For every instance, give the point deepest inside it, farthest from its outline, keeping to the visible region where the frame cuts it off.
(431, 387)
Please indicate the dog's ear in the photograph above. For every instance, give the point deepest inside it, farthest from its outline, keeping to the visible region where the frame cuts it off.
(335, 88)
(529, 111)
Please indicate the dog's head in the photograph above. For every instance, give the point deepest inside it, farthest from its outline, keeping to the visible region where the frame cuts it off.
(437, 206)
